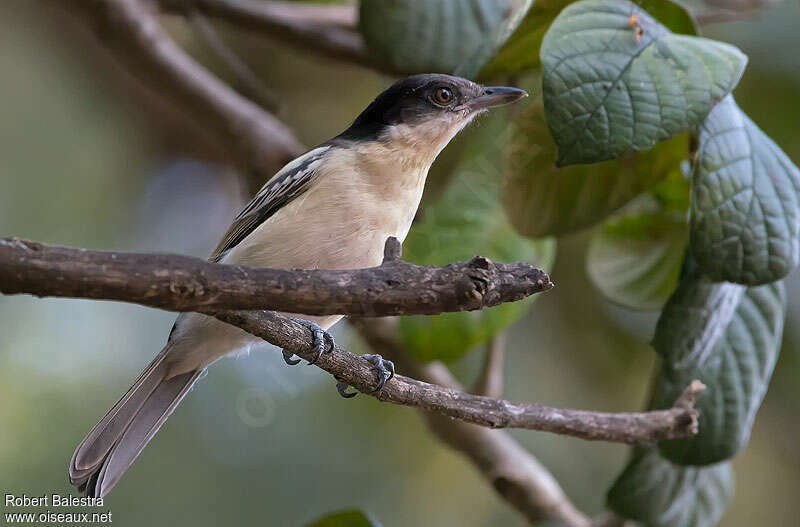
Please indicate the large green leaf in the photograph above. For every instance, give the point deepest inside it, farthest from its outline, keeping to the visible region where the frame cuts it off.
(694, 319)
(521, 52)
(636, 258)
(543, 200)
(351, 518)
(733, 355)
(618, 81)
(745, 220)
(657, 493)
(466, 221)
(421, 36)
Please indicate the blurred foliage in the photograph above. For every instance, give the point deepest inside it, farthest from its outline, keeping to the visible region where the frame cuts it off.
(345, 519)
(89, 161)
(431, 35)
(468, 220)
(491, 45)
(636, 258)
(462, 151)
(544, 200)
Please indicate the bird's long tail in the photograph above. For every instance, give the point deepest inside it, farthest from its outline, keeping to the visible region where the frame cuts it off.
(117, 440)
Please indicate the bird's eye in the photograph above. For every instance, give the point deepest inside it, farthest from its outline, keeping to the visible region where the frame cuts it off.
(443, 96)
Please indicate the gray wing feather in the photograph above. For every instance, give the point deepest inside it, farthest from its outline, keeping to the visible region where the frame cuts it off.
(291, 181)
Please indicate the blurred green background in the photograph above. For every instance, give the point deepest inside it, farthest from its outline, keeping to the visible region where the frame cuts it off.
(86, 159)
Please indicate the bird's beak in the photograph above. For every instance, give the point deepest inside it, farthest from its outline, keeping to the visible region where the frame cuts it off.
(494, 96)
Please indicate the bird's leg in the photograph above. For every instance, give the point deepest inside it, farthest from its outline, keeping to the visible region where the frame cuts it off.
(385, 370)
(321, 339)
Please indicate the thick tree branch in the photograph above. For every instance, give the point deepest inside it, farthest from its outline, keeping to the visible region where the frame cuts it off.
(184, 283)
(256, 139)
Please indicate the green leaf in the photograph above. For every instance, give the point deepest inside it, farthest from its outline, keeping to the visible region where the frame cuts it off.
(657, 493)
(694, 319)
(494, 42)
(467, 221)
(351, 518)
(431, 35)
(521, 52)
(733, 355)
(543, 200)
(617, 81)
(745, 216)
(635, 260)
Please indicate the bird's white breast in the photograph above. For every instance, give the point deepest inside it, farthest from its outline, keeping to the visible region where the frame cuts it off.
(342, 221)
(363, 193)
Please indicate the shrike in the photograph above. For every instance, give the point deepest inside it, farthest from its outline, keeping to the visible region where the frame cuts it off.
(331, 208)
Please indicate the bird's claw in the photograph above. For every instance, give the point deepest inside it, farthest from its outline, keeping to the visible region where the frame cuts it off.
(287, 358)
(321, 339)
(342, 387)
(385, 369)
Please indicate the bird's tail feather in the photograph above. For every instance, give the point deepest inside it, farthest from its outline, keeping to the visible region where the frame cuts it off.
(117, 440)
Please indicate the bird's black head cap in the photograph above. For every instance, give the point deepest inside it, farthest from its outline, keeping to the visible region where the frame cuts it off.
(413, 100)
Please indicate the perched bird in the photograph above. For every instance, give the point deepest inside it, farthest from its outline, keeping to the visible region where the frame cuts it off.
(331, 208)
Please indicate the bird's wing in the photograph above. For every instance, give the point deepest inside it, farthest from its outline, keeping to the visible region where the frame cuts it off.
(291, 181)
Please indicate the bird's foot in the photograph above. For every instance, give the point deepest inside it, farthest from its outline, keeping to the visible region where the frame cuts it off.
(321, 340)
(384, 367)
(385, 370)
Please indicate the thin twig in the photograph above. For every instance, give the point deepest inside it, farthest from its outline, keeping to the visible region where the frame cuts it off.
(185, 283)
(247, 82)
(256, 139)
(328, 31)
(631, 428)
(490, 381)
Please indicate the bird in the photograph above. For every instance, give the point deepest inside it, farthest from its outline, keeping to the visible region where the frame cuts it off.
(331, 208)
